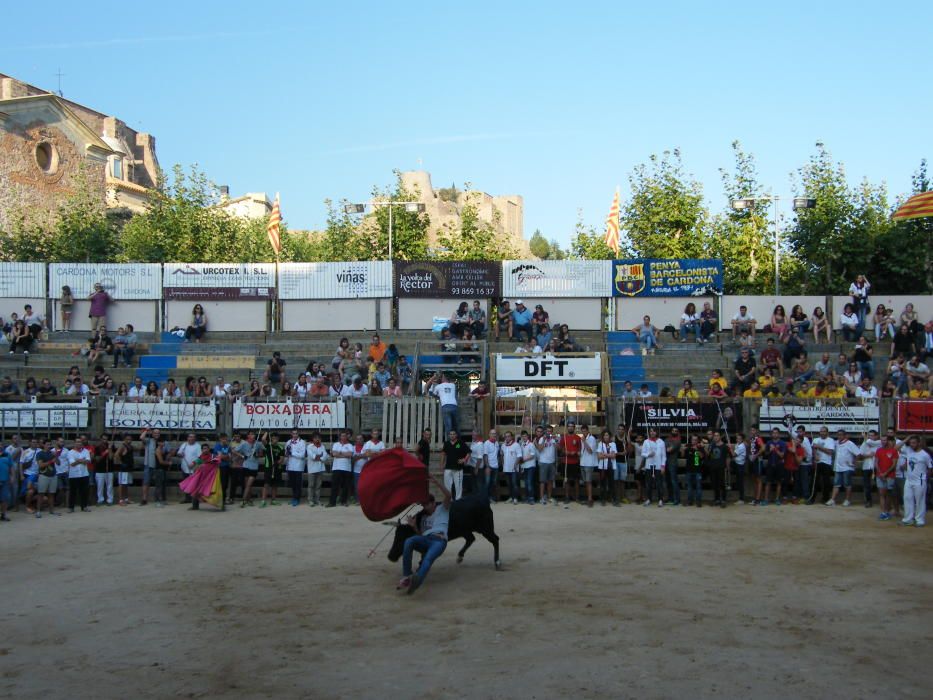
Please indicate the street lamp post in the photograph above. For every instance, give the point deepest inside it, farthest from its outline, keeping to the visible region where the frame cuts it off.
(800, 203)
(412, 207)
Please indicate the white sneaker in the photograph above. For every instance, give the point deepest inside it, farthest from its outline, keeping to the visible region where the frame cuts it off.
(26, 353)
(644, 351)
(846, 503)
(830, 503)
(646, 503)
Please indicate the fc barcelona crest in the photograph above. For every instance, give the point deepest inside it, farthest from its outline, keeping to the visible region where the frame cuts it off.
(630, 279)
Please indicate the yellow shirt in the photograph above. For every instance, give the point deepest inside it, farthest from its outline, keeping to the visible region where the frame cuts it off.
(765, 381)
(721, 381)
(749, 394)
(837, 394)
(918, 394)
(692, 394)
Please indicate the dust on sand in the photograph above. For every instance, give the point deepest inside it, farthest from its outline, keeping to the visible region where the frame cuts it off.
(789, 601)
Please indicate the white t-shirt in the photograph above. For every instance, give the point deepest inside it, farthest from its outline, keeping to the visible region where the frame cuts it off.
(28, 459)
(529, 455)
(654, 454)
(869, 393)
(868, 449)
(437, 522)
(588, 458)
(342, 454)
(743, 319)
(827, 443)
(351, 392)
(61, 464)
(188, 454)
(846, 454)
(373, 448)
(917, 466)
(807, 450)
(136, 392)
(316, 456)
(477, 450)
(76, 470)
(446, 392)
(689, 318)
(740, 453)
(491, 452)
(173, 394)
(606, 449)
(296, 450)
(547, 449)
(511, 457)
(850, 320)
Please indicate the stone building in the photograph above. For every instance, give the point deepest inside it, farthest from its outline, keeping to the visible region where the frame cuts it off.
(45, 143)
(443, 207)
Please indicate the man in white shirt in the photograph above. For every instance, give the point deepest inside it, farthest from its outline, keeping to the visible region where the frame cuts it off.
(474, 483)
(588, 461)
(446, 391)
(805, 468)
(296, 450)
(317, 455)
(491, 465)
(655, 459)
(137, 391)
(171, 390)
(511, 465)
(917, 466)
(220, 389)
(743, 321)
(529, 466)
(371, 448)
(824, 447)
(188, 452)
(546, 445)
(867, 449)
(79, 460)
(342, 469)
(355, 390)
(866, 391)
(846, 456)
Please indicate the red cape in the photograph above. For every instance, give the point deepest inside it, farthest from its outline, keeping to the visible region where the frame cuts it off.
(390, 482)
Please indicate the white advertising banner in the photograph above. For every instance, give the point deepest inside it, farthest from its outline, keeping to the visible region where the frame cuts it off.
(556, 278)
(122, 414)
(247, 281)
(368, 279)
(548, 369)
(288, 415)
(44, 415)
(130, 281)
(22, 280)
(853, 419)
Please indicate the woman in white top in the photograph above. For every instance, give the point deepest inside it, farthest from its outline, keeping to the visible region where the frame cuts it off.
(606, 456)
(849, 322)
(690, 323)
(851, 378)
(588, 460)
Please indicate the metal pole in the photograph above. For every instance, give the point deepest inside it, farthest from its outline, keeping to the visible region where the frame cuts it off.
(390, 232)
(777, 250)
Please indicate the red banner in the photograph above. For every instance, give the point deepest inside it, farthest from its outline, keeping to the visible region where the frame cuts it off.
(915, 416)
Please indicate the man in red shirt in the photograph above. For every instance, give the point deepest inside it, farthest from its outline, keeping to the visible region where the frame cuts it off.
(570, 446)
(771, 357)
(885, 473)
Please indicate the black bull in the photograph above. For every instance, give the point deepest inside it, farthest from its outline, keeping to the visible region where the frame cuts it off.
(468, 515)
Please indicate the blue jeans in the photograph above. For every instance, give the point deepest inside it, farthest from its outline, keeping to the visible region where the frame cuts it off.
(686, 328)
(850, 334)
(515, 485)
(530, 483)
(648, 340)
(491, 481)
(520, 331)
(431, 547)
(867, 369)
(674, 493)
(450, 418)
(694, 488)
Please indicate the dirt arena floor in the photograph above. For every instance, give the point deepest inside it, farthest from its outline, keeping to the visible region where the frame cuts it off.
(606, 603)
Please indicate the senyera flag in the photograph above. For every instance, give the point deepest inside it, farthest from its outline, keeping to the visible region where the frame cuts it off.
(917, 207)
(390, 482)
(275, 222)
(612, 224)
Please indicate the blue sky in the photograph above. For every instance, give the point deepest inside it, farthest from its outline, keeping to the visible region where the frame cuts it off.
(552, 101)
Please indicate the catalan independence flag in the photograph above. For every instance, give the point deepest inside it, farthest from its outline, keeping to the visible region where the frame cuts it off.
(917, 207)
(612, 224)
(275, 222)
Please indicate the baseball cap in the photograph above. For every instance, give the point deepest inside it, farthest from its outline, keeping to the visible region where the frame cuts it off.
(519, 301)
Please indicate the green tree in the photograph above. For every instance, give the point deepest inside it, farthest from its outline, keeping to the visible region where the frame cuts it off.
(475, 239)
(743, 238)
(83, 231)
(904, 260)
(409, 228)
(587, 243)
(544, 249)
(665, 216)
